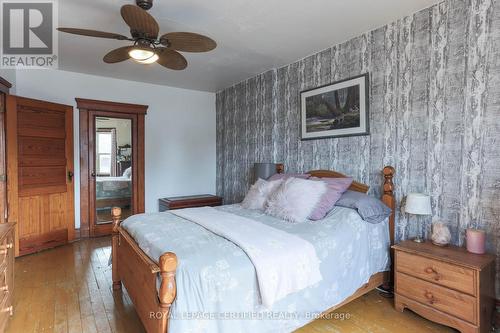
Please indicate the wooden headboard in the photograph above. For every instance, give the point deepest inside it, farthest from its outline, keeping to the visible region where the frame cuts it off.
(355, 186)
(387, 193)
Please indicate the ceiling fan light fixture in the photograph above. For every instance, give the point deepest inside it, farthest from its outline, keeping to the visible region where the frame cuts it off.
(148, 46)
(154, 58)
(141, 54)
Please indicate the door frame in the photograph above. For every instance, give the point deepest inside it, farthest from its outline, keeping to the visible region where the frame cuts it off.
(4, 91)
(89, 109)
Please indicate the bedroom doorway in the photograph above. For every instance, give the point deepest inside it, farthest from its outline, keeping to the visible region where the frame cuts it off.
(111, 163)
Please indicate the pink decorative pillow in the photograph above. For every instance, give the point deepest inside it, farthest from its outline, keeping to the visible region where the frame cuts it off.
(295, 199)
(285, 176)
(336, 186)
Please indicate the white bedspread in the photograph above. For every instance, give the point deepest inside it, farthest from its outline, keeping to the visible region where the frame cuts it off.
(284, 262)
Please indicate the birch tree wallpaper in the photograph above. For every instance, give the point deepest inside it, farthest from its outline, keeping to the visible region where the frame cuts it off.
(434, 116)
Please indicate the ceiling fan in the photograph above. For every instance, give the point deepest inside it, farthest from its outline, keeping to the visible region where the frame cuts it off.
(149, 47)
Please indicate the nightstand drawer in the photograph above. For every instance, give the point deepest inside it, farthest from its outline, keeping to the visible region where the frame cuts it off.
(437, 272)
(450, 301)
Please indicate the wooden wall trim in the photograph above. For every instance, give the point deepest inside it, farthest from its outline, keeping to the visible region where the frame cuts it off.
(84, 175)
(5, 85)
(3, 165)
(11, 152)
(96, 105)
(141, 171)
(4, 90)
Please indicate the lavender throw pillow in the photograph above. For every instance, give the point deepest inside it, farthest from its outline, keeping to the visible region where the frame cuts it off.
(285, 176)
(371, 209)
(336, 186)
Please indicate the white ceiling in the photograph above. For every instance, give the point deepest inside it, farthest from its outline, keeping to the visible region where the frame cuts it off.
(252, 35)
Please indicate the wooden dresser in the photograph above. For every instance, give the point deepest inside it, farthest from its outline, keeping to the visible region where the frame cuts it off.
(447, 285)
(6, 273)
(189, 202)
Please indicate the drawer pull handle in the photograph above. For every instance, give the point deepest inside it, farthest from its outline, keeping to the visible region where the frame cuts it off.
(430, 297)
(9, 309)
(5, 248)
(430, 270)
(4, 288)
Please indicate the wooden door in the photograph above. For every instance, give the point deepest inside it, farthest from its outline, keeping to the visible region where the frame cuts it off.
(40, 173)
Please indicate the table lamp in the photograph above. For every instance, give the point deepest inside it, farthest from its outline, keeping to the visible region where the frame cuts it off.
(266, 170)
(418, 204)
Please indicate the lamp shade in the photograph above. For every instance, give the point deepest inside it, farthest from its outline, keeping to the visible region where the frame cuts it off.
(264, 170)
(418, 204)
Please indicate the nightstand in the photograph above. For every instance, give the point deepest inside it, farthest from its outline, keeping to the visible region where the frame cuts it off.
(447, 285)
(189, 202)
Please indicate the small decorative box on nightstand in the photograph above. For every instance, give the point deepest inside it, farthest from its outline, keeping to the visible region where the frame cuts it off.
(447, 285)
(189, 202)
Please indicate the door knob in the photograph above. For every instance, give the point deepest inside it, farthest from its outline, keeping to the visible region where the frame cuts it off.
(93, 174)
(70, 175)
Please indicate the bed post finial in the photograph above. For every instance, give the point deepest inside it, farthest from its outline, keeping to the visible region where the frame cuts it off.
(168, 265)
(280, 168)
(116, 213)
(388, 196)
(389, 199)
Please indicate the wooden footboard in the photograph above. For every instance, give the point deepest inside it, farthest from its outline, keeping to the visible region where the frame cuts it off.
(139, 275)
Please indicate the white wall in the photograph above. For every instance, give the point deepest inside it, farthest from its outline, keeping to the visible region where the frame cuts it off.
(180, 127)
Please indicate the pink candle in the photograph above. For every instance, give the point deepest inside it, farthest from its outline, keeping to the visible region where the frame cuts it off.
(475, 240)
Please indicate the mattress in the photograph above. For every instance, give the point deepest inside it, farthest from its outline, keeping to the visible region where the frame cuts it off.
(217, 289)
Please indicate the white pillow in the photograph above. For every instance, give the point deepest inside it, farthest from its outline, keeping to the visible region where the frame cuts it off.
(295, 200)
(259, 193)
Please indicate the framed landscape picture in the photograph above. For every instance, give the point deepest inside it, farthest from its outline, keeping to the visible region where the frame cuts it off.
(336, 110)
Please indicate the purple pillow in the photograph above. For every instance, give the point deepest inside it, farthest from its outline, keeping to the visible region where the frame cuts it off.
(371, 209)
(285, 176)
(336, 186)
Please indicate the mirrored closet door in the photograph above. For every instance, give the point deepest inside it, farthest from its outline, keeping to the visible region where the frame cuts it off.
(112, 163)
(113, 167)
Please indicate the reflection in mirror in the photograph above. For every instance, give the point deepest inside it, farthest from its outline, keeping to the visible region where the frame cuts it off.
(113, 161)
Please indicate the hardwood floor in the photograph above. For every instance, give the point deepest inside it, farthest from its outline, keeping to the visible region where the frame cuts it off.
(68, 289)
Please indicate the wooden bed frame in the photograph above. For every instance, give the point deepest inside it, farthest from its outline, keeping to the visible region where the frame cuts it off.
(138, 273)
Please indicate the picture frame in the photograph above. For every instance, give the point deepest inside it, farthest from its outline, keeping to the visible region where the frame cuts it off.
(338, 109)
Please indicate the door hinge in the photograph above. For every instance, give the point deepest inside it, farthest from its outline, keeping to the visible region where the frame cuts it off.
(3, 178)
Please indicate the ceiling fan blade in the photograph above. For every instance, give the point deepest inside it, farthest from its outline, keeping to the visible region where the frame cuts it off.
(141, 23)
(118, 55)
(171, 59)
(92, 33)
(188, 42)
